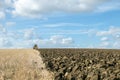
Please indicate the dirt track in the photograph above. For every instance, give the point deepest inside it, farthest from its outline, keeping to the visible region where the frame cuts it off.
(22, 64)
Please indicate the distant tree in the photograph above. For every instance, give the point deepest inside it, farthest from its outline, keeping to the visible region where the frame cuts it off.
(35, 46)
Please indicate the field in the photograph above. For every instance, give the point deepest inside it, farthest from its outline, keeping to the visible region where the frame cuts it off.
(59, 64)
(22, 64)
(82, 64)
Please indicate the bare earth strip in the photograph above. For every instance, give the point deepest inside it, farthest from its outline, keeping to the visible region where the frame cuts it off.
(22, 64)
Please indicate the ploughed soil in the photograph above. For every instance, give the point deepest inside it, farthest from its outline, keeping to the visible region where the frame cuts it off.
(82, 64)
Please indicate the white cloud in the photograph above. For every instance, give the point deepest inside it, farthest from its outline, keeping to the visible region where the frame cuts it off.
(2, 29)
(112, 31)
(63, 24)
(5, 6)
(28, 37)
(8, 3)
(29, 33)
(70, 24)
(67, 41)
(9, 24)
(105, 44)
(6, 38)
(55, 41)
(116, 44)
(5, 42)
(58, 39)
(109, 38)
(63, 32)
(117, 36)
(104, 39)
(110, 5)
(40, 7)
(2, 15)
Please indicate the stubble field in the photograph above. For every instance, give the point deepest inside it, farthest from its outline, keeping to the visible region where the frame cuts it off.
(22, 64)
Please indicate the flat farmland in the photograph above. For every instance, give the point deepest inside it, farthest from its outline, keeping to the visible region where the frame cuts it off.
(82, 64)
(22, 64)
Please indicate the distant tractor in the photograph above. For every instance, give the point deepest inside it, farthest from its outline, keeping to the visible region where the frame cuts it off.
(35, 47)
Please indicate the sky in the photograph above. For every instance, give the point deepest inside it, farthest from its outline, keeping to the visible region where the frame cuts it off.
(60, 23)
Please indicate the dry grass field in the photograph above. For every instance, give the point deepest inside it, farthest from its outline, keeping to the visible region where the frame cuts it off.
(22, 64)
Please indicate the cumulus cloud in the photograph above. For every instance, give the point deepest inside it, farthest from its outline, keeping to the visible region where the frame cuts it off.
(5, 43)
(61, 40)
(35, 8)
(67, 41)
(40, 8)
(110, 5)
(6, 38)
(5, 7)
(63, 25)
(112, 31)
(105, 44)
(9, 24)
(2, 15)
(26, 38)
(109, 38)
(2, 29)
(29, 33)
(56, 41)
(117, 36)
(116, 44)
(104, 39)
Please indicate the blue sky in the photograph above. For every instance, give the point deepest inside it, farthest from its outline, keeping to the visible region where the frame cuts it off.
(60, 23)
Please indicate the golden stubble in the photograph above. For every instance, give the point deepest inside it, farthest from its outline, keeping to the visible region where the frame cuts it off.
(22, 64)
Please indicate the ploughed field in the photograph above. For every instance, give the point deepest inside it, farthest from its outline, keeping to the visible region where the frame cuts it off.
(82, 64)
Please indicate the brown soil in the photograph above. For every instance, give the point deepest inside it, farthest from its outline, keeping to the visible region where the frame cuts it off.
(82, 64)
